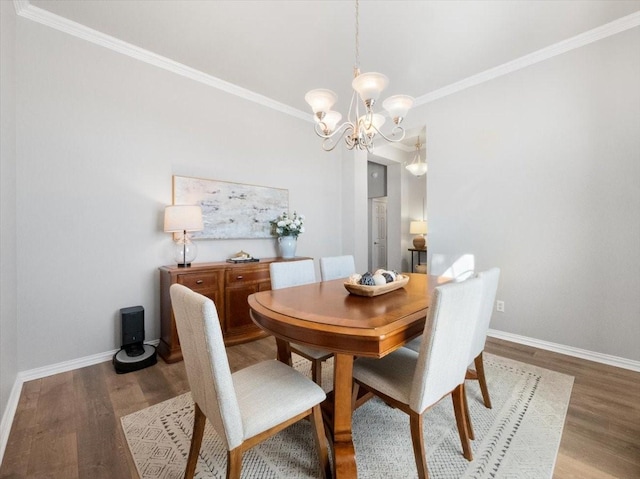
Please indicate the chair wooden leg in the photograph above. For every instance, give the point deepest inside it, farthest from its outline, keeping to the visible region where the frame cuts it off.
(316, 371)
(417, 438)
(470, 432)
(479, 364)
(234, 463)
(461, 420)
(354, 395)
(199, 421)
(321, 441)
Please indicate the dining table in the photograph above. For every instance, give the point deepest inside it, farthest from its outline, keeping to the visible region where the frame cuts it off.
(325, 315)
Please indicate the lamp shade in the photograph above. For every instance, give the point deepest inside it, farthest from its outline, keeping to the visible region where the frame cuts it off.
(417, 169)
(330, 120)
(397, 106)
(418, 227)
(183, 218)
(370, 85)
(375, 122)
(320, 100)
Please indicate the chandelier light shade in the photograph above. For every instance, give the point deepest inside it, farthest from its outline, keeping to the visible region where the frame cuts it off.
(418, 228)
(183, 219)
(362, 125)
(417, 167)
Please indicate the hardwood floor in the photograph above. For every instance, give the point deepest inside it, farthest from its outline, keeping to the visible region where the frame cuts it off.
(68, 425)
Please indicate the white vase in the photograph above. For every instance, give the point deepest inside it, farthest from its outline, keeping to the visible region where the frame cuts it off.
(288, 246)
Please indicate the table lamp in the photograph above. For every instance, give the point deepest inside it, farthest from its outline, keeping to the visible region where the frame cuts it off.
(418, 228)
(182, 219)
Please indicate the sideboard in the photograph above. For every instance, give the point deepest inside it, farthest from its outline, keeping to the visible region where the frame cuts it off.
(228, 285)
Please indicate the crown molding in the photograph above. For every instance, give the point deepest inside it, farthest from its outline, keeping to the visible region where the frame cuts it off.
(44, 17)
(608, 29)
(26, 10)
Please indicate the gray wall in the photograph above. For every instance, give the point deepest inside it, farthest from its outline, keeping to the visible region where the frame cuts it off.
(8, 315)
(99, 136)
(538, 172)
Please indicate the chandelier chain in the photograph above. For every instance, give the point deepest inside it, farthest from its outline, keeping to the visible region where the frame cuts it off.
(357, 65)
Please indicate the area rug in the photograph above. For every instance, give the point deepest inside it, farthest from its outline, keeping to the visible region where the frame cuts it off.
(518, 438)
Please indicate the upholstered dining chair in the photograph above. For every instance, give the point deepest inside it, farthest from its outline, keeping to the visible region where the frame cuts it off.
(455, 266)
(245, 407)
(334, 267)
(415, 381)
(490, 278)
(285, 274)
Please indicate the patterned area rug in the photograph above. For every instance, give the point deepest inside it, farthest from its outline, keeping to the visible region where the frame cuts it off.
(518, 438)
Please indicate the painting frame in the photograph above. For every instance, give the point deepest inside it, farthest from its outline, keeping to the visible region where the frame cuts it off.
(231, 210)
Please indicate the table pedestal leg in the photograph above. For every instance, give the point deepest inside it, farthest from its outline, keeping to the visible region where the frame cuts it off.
(284, 352)
(344, 455)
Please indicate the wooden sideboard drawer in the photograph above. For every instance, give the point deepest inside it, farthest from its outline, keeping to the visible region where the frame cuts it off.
(237, 275)
(201, 282)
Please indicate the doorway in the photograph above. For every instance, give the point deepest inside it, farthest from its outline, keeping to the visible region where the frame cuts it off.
(378, 247)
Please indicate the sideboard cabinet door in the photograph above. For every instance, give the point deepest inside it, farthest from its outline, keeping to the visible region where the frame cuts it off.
(239, 284)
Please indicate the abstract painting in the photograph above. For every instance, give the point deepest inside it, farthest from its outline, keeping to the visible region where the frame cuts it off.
(231, 210)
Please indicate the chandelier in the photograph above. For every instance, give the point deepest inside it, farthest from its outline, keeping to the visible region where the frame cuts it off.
(359, 130)
(417, 167)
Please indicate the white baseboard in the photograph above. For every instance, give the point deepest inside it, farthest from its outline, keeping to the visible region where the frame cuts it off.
(568, 350)
(8, 415)
(38, 373)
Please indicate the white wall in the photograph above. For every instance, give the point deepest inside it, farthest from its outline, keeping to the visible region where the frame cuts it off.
(99, 136)
(538, 172)
(8, 321)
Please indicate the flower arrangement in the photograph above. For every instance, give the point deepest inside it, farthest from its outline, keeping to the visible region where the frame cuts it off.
(285, 225)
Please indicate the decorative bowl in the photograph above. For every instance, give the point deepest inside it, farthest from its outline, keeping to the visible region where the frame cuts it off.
(363, 290)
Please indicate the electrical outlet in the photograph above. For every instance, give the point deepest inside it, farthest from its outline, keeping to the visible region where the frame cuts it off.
(500, 306)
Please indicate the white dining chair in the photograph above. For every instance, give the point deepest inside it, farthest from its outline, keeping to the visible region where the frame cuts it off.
(245, 407)
(458, 267)
(334, 267)
(491, 278)
(285, 274)
(414, 381)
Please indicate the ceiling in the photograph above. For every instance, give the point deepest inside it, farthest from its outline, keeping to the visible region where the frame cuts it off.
(282, 49)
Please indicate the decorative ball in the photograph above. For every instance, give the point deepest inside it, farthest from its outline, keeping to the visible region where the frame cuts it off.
(354, 279)
(388, 277)
(390, 273)
(379, 279)
(367, 279)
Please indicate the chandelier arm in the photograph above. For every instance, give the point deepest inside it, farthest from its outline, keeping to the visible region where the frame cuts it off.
(344, 126)
(393, 133)
(329, 143)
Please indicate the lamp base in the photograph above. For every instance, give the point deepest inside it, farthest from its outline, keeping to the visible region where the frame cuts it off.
(419, 242)
(184, 265)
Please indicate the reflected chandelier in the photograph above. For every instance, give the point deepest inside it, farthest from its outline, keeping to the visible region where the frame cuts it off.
(359, 131)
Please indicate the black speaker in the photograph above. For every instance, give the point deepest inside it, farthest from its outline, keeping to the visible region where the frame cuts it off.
(133, 354)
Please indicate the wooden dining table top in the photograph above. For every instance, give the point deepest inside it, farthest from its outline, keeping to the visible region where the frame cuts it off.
(325, 315)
